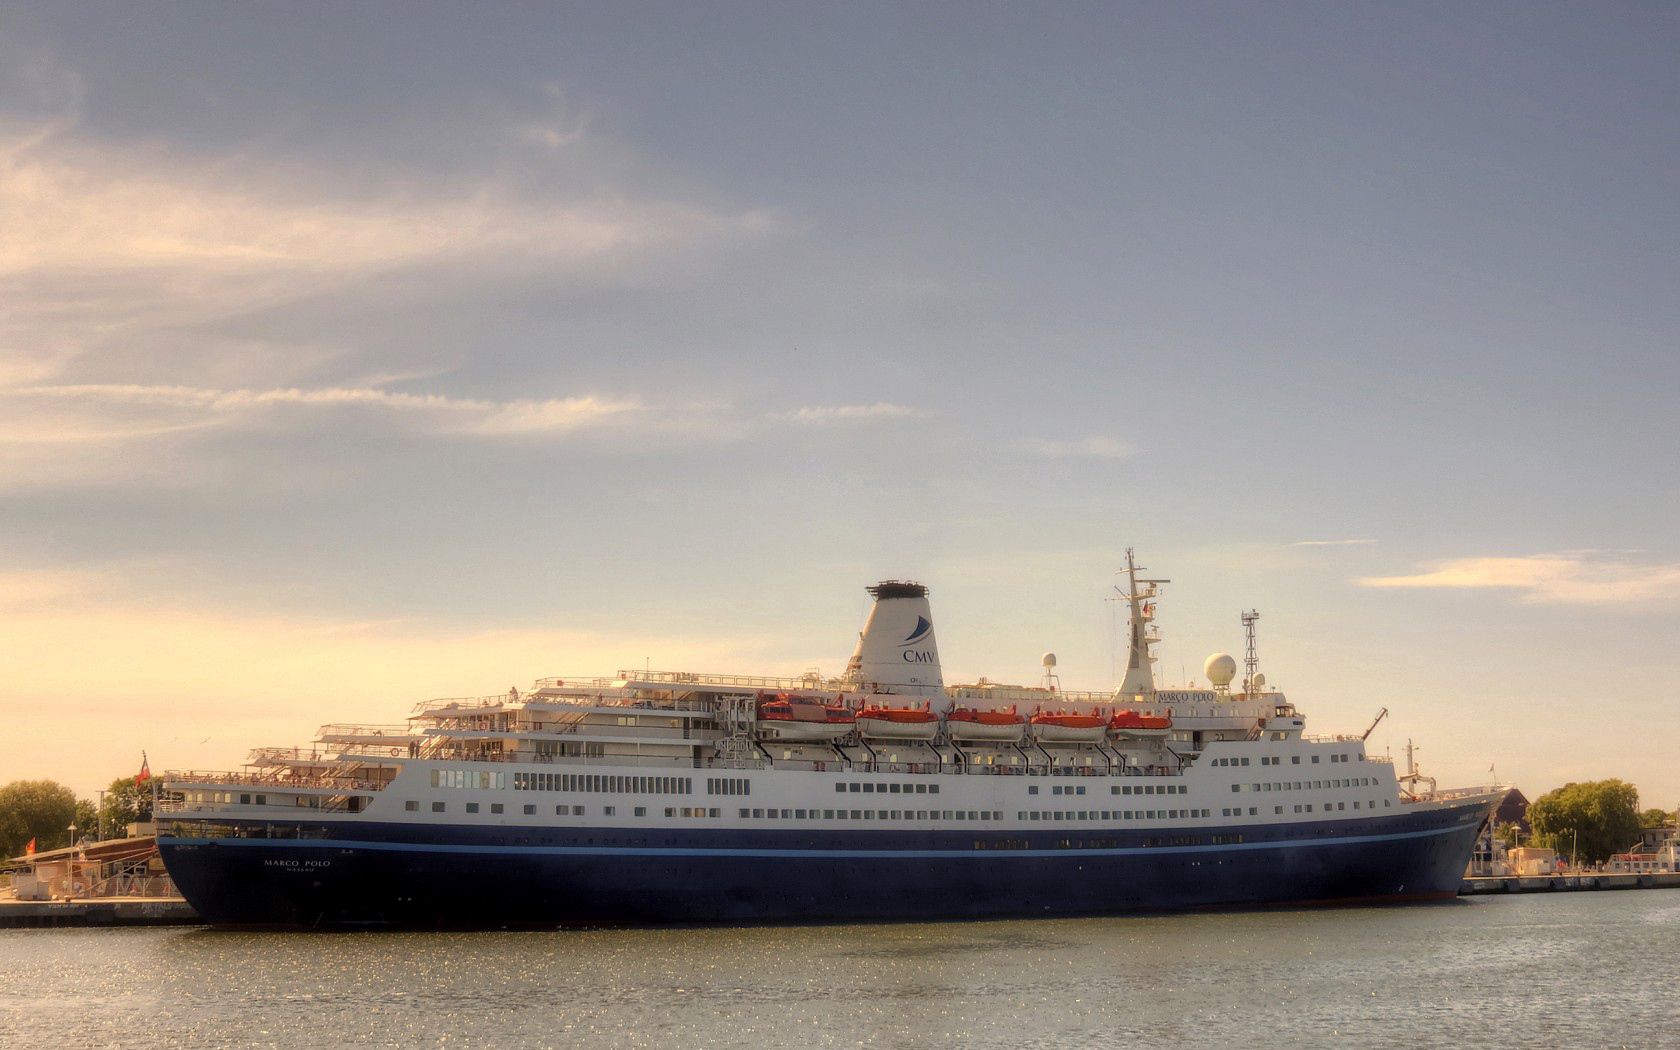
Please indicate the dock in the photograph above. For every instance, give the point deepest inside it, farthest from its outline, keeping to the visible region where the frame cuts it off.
(1569, 881)
(99, 911)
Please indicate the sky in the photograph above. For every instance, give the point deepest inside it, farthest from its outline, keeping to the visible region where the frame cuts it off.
(352, 355)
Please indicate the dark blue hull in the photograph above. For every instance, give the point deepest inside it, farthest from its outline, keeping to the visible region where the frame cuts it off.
(464, 876)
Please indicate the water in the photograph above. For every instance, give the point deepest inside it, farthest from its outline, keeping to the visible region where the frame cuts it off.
(1572, 969)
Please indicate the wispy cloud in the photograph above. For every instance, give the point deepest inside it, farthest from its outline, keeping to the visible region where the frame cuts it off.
(832, 414)
(561, 126)
(200, 406)
(105, 242)
(1095, 447)
(1332, 543)
(1565, 577)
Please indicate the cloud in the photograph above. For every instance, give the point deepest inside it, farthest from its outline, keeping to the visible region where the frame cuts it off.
(176, 408)
(1081, 448)
(1566, 577)
(829, 415)
(111, 250)
(1332, 543)
(560, 127)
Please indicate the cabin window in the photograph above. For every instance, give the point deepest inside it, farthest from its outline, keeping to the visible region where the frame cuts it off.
(530, 810)
(472, 807)
(437, 807)
(495, 807)
(412, 806)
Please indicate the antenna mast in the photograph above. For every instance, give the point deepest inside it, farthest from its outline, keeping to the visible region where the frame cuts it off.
(1139, 596)
(1251, 657)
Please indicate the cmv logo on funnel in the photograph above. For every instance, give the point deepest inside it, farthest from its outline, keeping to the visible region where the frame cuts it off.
(919, 633)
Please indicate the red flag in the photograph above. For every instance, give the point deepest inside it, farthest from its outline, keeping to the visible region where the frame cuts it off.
(145, 773)
(29, 850)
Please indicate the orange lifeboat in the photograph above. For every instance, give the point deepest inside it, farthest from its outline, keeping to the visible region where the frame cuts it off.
(788, 716)
(1137, 724)
(1068, 727)
(898, 723)
(970, 723)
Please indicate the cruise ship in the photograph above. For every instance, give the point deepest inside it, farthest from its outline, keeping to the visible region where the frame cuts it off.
(880, 794)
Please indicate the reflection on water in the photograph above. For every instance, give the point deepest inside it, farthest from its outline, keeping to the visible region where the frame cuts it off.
(1570, 969)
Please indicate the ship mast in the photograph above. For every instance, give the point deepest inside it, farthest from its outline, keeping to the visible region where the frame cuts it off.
(1139, 682)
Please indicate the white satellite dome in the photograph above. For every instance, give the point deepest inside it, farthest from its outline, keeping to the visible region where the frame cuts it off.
(1049, 660)
(1258, 682)
(1220, 668)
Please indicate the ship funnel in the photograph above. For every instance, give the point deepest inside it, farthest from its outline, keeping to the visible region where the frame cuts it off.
(896, 653)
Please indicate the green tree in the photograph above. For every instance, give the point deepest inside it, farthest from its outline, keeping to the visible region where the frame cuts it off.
(1656, 818)
(1507, 833)
(125, 803)
(35, 809)
(1596, 819)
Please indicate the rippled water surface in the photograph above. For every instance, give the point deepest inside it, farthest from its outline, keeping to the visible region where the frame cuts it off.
(1572, 969)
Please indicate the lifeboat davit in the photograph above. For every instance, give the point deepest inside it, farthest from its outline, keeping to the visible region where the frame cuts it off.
(1136, 724)
(803, 719)
(969, 723)
(898, 723)
(1068, 727)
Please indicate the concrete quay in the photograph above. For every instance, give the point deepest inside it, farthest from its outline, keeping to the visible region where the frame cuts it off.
(99, 911)
(1565, 882)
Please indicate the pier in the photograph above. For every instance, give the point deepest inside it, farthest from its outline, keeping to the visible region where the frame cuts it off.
(1568, 881)
(107, 911)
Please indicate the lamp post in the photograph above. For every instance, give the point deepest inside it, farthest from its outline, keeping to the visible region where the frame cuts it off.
(72, 830)
(102, 816)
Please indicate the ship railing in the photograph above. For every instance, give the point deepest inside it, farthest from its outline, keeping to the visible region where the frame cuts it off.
(737, 680)
(265, 756)
(579, 683)
(465, 702)
(348, 729)
(269, 780)
(617, 701)
(331, 754)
